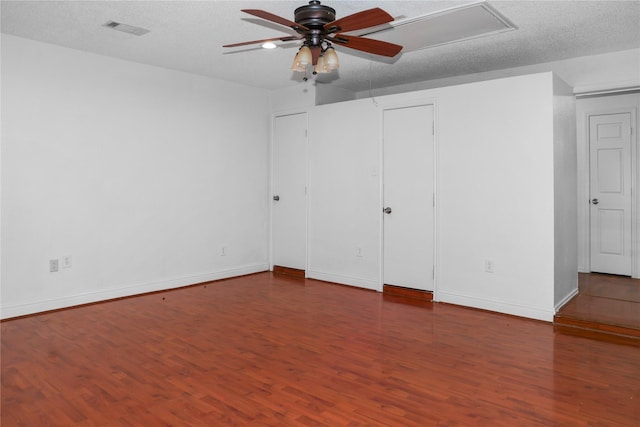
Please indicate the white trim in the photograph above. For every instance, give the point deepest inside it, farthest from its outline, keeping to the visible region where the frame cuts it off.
(307, 150)
(344, 280)
(380, 197)
(269, 224)
(129, 290)
(635, 162)
(497, 306)
(436, 212)
(566, 299)
(584, 253)
(615, 88)
(398, 23)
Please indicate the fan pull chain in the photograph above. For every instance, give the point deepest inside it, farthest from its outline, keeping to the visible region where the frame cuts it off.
(371, 94)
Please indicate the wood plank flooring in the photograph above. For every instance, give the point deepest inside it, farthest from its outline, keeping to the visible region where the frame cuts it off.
(266, 350)
(605, 303)
(398, 291)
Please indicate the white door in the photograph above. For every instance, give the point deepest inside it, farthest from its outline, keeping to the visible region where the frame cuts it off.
(610, 188)
(289, 191)
(408, 182)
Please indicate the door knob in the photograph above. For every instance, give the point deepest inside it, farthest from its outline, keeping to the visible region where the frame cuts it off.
(595, 201)
(276, 198)
(387, 210)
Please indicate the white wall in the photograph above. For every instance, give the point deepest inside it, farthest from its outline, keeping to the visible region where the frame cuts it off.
(565, 193)
(495, 184)
(143, 174)
(609, 71)
(494, 189)
(300, 96)
(329, 93)
(140, 174)
(307, 94)
(344, 193)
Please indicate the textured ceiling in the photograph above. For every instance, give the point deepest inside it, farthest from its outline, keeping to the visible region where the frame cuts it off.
(188, 36)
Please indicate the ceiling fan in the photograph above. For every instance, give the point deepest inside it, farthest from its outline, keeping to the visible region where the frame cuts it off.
(317, 26)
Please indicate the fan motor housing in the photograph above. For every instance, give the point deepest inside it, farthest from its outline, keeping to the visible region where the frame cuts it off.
(314, 15)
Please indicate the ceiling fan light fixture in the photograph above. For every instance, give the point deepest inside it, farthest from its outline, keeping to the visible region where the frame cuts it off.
(304, 55)
(321, 66)
(297, 66)
(331, 59)
(302, 59)
(316, 25)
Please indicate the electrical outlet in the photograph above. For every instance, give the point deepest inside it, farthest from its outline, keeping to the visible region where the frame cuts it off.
(223, 251)
(488, 266)
(359, 252)
(53, 265)
(66, 261)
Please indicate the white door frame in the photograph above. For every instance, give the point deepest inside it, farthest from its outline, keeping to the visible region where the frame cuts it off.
(584, 205)
(270, 201)
(392, 106)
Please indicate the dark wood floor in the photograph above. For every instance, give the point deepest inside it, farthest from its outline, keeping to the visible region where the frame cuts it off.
(606, 304)
(275, 350)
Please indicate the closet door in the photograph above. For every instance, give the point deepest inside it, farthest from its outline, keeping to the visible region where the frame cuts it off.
(408, 186)
(289, 203)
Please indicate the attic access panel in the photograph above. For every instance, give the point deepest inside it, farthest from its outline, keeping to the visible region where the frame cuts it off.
(446, 26)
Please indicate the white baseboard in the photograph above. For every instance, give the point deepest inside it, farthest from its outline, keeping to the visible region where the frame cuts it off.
(565, 300)
(7, 312)
(343, 280)
(497, 306)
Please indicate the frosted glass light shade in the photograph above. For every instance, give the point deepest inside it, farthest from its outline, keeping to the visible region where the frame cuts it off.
(297, 66)
(321, 66)
(304, 55)
(302, 59)
(331, 59)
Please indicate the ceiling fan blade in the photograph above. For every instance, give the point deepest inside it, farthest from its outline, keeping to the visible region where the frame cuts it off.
(357, 21)
(364, 44)
(282, 39)
(277, 19)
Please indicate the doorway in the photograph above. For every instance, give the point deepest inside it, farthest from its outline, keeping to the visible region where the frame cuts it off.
(610, 114)
(607, 123)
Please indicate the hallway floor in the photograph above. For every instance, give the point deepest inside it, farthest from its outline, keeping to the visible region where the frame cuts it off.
(605, 304)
